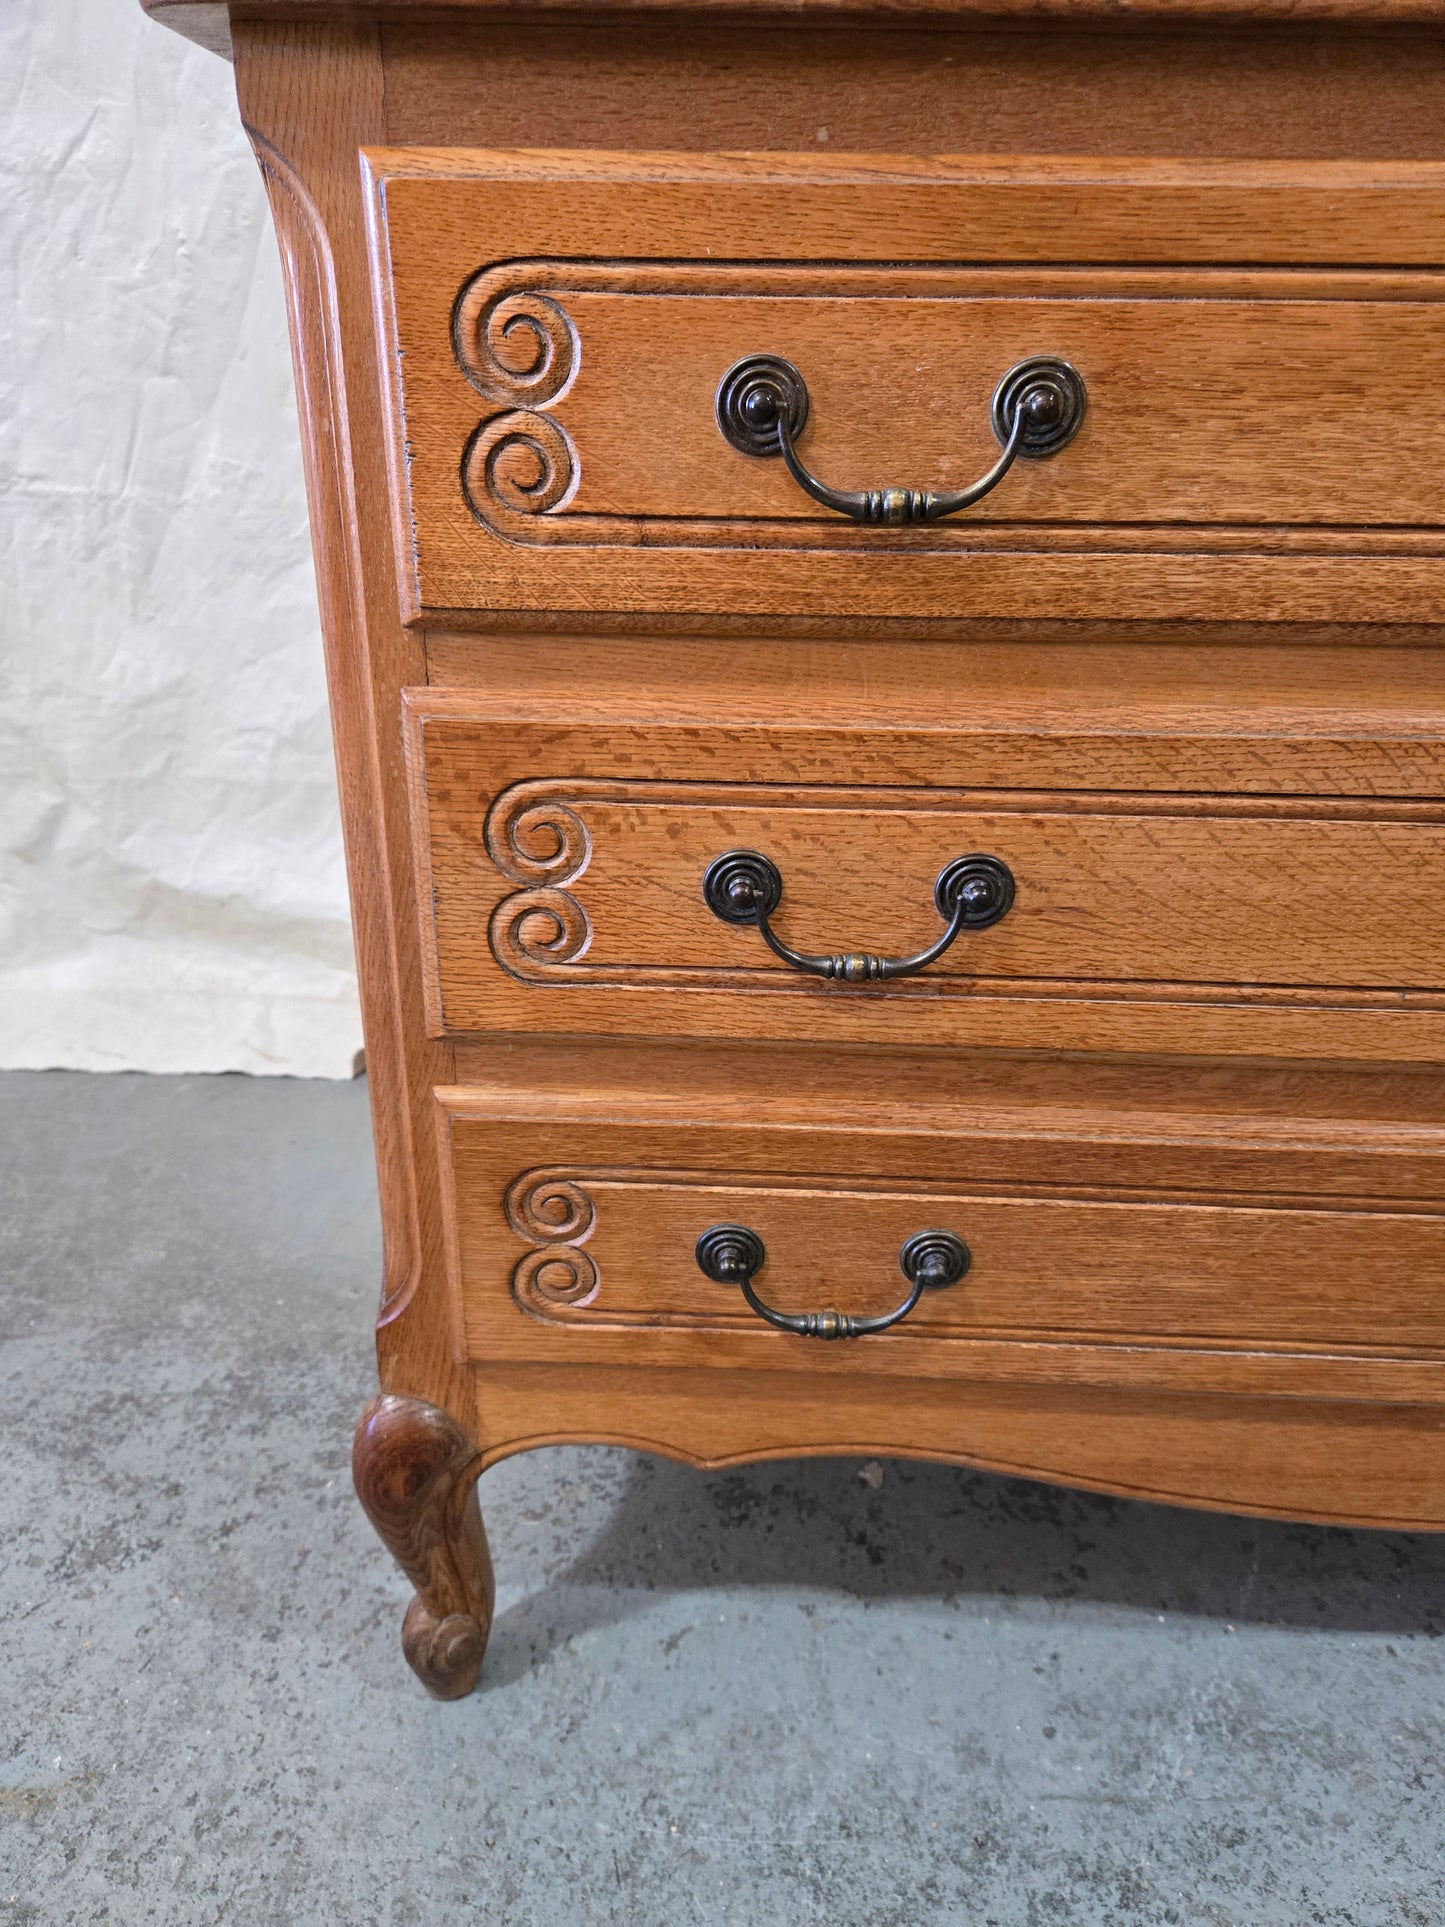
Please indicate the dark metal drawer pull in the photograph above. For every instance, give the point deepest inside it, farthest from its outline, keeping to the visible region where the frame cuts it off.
(731, 1254)
(762, 409)
(743, 886)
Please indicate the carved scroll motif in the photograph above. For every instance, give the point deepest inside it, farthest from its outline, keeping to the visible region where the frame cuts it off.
(523, 462)
(538, 927)
(532, 841)
(514, 346)
(519, 348)
(543, 844)
(558, 1216)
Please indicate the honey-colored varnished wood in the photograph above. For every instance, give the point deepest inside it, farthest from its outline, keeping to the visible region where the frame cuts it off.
(205, 21)
(1143, 1242)
(561, 874)
(1337, 1463)
(1351, 712)
(311, 96)
(1182, 1102)
(562, 323)
(1071, 84)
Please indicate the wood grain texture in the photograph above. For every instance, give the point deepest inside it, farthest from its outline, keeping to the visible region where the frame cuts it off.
(574, 901)
(310, 96)
(1114, 890)
(1352, 711)
(575, 1219)
(1226, 408)
(415, 1472)
(1397, 1106)
(204, 20)
(1338, 1464)
(1190, 1116)
(537, 307)
(610, 1247)
(318, 361)
(1061, 85)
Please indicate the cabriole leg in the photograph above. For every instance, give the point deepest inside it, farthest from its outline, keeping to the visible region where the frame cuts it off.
(415, 1472)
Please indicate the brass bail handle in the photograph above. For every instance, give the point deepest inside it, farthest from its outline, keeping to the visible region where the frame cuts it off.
(762, 410)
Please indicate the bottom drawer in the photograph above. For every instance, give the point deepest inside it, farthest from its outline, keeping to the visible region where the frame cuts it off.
(1015, 1237)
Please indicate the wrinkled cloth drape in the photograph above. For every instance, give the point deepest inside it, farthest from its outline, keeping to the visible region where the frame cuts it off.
(171, 886)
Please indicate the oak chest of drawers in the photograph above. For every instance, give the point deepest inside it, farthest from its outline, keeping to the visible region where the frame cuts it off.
(882, 574)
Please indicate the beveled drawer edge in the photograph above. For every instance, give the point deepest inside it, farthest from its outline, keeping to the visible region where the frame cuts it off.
(1380, 215)
(414, 717)
(1334, 1374)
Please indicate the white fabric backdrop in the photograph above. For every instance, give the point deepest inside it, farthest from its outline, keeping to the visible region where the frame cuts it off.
(171, 886)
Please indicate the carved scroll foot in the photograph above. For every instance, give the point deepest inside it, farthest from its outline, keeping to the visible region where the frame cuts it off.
(415, 1472)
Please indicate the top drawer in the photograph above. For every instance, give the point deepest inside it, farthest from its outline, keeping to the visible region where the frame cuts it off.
(1257, 441)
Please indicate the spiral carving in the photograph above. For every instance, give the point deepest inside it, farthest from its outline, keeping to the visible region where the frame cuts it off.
(515, 346)
(538, 843)
(545, 927)
(540, 1205)
(557, 1215)
(522, 462)
(445, 1654)
(555, 1275)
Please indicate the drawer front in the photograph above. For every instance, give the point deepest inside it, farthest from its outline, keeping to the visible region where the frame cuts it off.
(1255, 441)
(576, 900)
(578, 1235)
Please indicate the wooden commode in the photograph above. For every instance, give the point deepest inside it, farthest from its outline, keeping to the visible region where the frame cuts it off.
(883, 573)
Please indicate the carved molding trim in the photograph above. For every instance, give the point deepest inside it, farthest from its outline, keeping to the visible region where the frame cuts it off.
(519, 348)
(555, 1213)
(558, 1281)
(536, 833)
(309, 278)
(537, 930)
(565, 1216)
(516, 343)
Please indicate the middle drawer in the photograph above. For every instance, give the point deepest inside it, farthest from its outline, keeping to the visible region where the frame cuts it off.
(609, 878)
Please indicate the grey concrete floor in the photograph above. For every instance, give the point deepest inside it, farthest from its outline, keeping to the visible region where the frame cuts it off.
(771, 1695)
